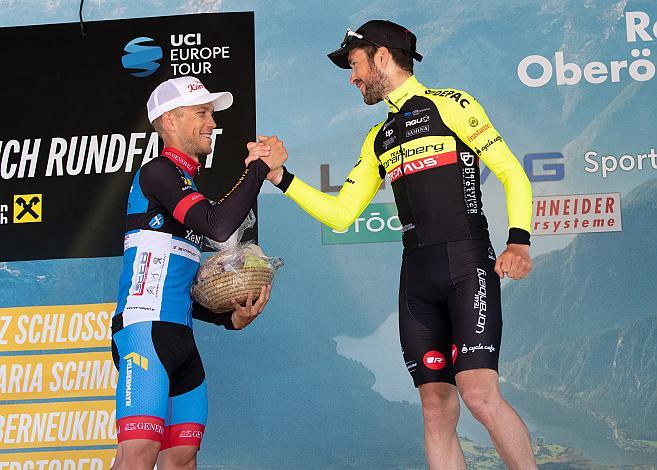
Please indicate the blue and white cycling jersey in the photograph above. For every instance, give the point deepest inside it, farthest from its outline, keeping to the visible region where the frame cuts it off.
(166, 221)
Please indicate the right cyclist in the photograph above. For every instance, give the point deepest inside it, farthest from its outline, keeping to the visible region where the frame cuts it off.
(450, 318)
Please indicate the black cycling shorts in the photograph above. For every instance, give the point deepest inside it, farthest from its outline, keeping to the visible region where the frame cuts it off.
(450, 316)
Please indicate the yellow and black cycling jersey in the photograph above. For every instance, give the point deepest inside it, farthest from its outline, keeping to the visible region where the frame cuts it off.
(429, 146)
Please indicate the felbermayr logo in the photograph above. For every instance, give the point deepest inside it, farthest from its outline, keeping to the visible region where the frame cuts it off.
(141, 60)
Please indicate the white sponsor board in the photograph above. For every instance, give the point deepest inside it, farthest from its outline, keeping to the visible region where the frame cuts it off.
(576, 213)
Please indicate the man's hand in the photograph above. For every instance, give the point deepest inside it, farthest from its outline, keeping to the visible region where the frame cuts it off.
(256, 150)
(277, 153)
(275, 176)
(273, 153)
(514, 261)
(242, 316)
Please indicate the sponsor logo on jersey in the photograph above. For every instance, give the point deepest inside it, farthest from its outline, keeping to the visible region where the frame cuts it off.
(408, 227)
(388, 142)
(469, 179)
(473, 121)
(489, 143)
(408, 153)
(417, 130)
(187, 182)
(479, 347)
(479, 131)
(452, 94)
(128, 383)
(480, 302)
(415, 122)
(141, 426)
(157, 221)
(141, 361)
(491, 253)
(194, 238)
(427, 163)
(455, 353)
(390, 135)
(141, 274)
(387, 124)
(415, 112)
(434, 360)
(467, 158)
(132, 359)
(188, 433)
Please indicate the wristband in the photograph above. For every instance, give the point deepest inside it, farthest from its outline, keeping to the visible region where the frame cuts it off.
(518, 236)
(286, 180)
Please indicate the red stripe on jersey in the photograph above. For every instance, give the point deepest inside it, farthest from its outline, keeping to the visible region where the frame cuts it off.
(182, 160)
(183, 434)
(140, 427)
(421, 164)
(185, 204)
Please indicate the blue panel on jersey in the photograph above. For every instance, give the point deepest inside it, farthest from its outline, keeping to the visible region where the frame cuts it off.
(125, 281)
(176, 301)
(137, 202)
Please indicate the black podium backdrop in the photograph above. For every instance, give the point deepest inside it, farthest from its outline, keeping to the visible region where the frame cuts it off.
(75, 128)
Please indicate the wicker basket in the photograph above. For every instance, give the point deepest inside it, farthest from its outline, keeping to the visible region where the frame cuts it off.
(217, 290)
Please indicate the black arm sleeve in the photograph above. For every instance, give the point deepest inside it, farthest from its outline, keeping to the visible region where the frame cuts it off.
(199, 312)
(219, 221)
(164, 182)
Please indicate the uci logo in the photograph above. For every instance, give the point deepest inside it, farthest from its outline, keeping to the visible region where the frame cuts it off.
(141, 60)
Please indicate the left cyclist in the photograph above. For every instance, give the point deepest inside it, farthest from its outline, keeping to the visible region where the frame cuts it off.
(161, 396)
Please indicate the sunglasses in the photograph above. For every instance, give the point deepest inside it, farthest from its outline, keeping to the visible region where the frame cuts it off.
(351, 35)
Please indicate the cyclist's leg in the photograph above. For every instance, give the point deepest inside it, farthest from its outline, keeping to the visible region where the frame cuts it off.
(475, 309)
(185, 425)
(425, 335)
(141, 397)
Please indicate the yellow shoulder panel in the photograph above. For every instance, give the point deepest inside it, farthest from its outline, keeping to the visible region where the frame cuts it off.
(463, 114)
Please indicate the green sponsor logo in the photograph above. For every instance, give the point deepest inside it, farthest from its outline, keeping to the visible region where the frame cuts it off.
(378, 223)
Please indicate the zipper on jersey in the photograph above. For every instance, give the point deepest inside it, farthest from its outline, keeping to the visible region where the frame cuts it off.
(406, 185)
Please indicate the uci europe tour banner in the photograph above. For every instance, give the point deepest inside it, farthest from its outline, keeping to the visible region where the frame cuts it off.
(78, 132)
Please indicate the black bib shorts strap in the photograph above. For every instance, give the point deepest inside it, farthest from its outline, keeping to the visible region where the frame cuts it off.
(450, 315)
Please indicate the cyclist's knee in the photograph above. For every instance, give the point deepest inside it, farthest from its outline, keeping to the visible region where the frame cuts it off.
(440, 404)
(138, 454)
(482, 403)
(178, 458)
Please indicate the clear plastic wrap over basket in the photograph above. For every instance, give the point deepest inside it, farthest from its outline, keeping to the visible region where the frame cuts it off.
(237, 269)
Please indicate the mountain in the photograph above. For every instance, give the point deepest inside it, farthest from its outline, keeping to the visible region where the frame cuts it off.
(598, 282)
(612, 375)
(580, 330)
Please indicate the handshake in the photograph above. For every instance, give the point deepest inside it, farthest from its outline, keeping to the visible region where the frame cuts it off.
(271, 151)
